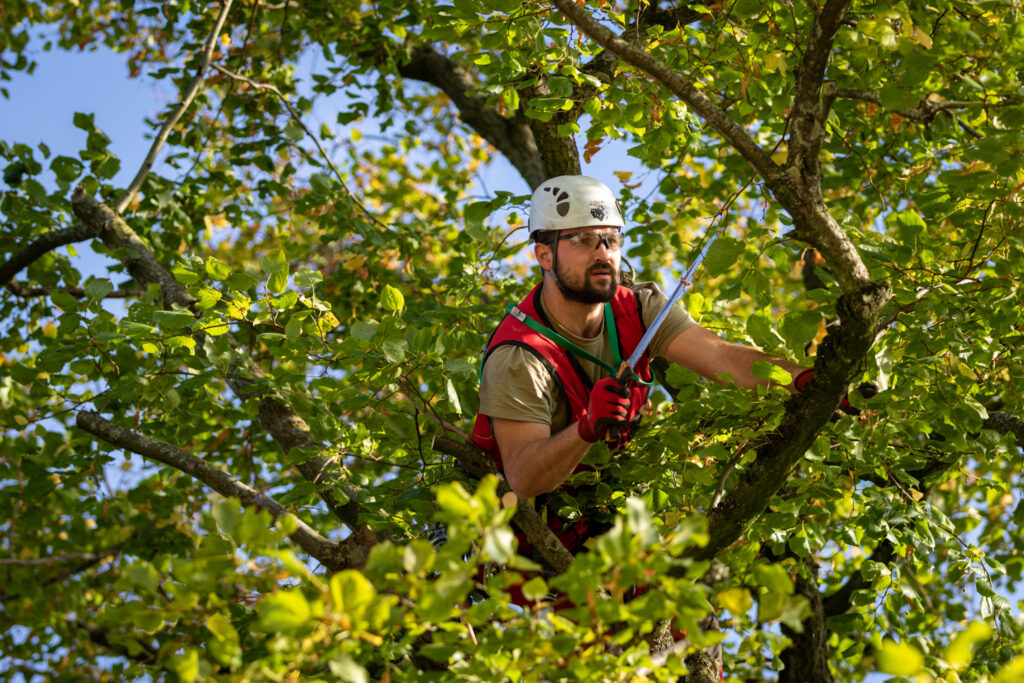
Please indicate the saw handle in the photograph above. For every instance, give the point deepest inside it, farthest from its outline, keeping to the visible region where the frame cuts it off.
(624, 377)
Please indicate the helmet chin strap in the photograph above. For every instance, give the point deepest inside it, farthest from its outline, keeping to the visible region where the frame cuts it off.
(554, 263)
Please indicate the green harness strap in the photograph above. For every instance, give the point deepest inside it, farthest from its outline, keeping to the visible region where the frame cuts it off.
(613, 339)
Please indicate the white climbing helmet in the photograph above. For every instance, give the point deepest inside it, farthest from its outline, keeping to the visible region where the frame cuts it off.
(573, 201)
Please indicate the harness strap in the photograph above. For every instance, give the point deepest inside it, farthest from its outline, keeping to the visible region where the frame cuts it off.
(613, 339)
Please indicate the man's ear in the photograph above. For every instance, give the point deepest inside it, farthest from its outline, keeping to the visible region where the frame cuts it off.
(544, 255)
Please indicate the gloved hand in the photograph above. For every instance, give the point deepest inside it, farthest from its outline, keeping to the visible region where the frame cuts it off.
(865, 389)
(608, 407)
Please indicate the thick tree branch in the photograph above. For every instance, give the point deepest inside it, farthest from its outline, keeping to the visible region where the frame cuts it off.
(115, 233)
(811, 219)
(332, 556)
(806, 660)
(840, 601)
(807, 122)
(682, 88)
(478, 464)
(43, 245)
(512, 136)
(282, 422)
(23, 291)
(839, 359)
(172, 120)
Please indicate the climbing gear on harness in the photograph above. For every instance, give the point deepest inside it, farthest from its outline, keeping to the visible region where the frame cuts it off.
(573, 201)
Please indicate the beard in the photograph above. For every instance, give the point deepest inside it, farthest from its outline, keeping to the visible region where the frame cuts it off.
(585, 291)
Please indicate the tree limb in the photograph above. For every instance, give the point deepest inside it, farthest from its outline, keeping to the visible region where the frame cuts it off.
(807, 121)
(115, 233)
(286, 427)
(172, 120)
(681, 87)
(331, 555)
(807, 658)
(512, 136)
(811, 219)
(23, 291)
(479, 464)
(43, 245)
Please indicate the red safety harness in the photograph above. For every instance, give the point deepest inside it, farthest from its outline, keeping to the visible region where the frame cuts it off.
(626, 328)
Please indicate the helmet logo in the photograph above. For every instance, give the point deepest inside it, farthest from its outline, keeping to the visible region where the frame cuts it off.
(562, 205)
(598, 212)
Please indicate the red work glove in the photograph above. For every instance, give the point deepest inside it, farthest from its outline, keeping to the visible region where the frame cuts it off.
(608, 407)
(865, 389)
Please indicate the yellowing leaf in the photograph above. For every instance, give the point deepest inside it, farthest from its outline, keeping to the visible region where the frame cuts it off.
(958, 654)
(392, 299)
(781, 156)
(225, 40)
(775, 61)
(623, 175)
(922, 38)
(898, 659)
(736, 600)
(354, 261)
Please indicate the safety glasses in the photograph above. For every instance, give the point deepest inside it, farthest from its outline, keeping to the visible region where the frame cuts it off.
(587, 241)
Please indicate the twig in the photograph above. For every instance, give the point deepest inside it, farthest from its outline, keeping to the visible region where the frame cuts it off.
(420, 405)
(298, 120)
(729, 467)
(165, 130)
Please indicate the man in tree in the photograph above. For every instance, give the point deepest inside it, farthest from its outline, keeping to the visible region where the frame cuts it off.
(548, 389)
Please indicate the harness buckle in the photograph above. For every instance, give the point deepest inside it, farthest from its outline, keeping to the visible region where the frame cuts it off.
(517, 314)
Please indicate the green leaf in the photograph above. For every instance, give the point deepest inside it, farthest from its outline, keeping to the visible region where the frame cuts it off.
(392, 299)
(173, 320)
(452, 395)
(363, 330)
(320, 183)
(394, 348)
(799, 327)
(723, 255)
(285, 612)
(216, 270)
(98, 288)
(771, 372)
(64, 301)
(737, 600)
(275, 265)
(347, 669)
(307, 278)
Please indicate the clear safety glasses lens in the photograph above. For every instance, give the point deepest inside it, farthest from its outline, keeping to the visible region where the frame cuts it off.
(587, 241)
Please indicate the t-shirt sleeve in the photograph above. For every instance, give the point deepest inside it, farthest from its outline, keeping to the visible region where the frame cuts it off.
(652, 300)
(516, 386)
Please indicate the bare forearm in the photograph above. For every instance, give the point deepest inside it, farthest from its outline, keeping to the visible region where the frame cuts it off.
(542, 465)
(739, 362)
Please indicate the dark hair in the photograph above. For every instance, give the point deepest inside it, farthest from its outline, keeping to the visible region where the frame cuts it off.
(544, 236)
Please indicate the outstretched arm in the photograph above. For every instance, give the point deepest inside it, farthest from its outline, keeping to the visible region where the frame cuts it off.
(707, 354)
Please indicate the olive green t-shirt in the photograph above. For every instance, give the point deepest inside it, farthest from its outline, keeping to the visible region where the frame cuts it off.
(516, 385)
